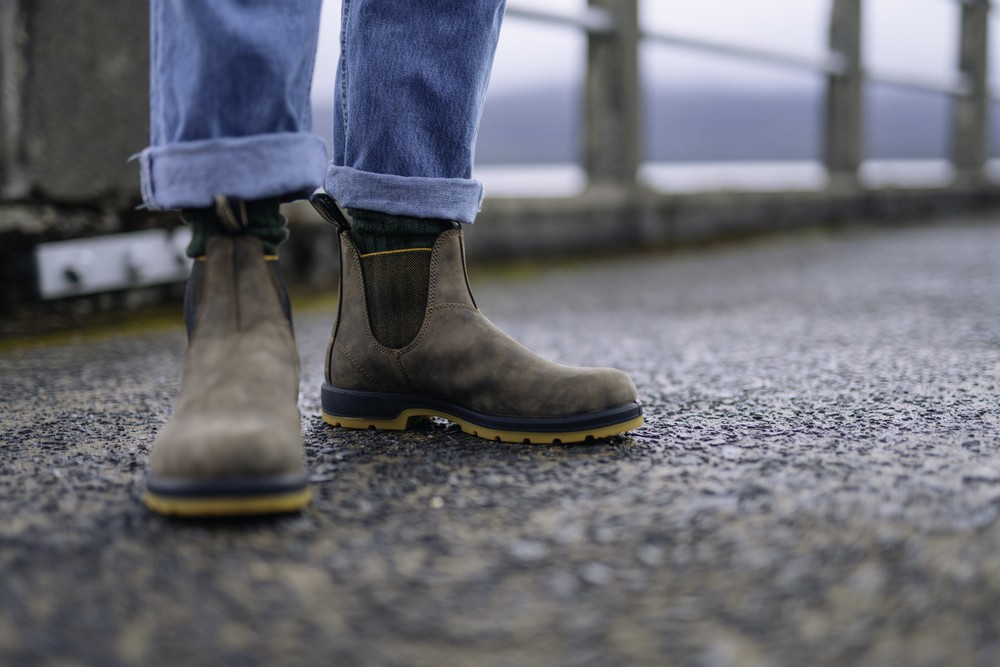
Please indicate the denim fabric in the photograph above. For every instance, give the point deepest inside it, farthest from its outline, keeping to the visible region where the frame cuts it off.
(229, 100)
(410, 86)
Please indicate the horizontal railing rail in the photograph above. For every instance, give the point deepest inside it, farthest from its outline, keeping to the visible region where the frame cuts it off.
(832, 63)
(592, 20)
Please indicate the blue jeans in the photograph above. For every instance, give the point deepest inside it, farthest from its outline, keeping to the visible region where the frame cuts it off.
(229, 100)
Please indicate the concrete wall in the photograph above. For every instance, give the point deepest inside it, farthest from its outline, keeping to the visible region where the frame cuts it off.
(73, 107)
(74, 79)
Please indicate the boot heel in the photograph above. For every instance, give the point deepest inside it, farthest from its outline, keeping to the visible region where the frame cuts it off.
(368, 409)
(401, 423)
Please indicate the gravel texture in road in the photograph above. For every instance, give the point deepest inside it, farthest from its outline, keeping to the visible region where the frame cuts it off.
(817, 482)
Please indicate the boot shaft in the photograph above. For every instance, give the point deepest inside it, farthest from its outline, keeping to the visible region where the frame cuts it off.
(353, 336)
(233, 287)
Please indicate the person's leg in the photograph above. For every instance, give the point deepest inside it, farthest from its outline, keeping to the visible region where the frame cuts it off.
(229, 102)
(409, 340)
(230, 114)
(410, 87)
(230, 140)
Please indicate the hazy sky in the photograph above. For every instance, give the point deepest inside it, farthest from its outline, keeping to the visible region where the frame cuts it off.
(916, 37)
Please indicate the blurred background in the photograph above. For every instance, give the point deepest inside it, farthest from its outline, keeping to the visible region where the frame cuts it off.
(609, 125)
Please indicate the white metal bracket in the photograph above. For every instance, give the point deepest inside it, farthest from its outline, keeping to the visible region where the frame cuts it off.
(108, 263)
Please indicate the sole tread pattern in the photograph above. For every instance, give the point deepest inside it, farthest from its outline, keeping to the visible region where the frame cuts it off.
(406, 418)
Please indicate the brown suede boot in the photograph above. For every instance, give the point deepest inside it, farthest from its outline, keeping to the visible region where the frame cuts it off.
(234, 442)
(458, 365)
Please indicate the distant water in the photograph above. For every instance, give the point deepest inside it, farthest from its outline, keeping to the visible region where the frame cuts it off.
(569, 179)
(564, 179)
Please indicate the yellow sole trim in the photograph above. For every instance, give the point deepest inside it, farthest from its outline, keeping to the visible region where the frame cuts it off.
(407, 417)
(202, 506)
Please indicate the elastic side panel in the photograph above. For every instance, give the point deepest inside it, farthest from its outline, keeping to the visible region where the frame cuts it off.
(396, 286)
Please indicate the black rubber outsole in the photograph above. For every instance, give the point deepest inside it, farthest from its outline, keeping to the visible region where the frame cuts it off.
(269, 495)
(393, 411)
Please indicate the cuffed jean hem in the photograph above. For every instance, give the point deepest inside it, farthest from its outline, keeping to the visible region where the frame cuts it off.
(190, 174)
(455, 199)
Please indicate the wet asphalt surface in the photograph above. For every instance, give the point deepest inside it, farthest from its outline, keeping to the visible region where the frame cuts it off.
(818, 482)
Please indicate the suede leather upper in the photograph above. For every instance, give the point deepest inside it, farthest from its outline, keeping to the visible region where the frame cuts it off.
(459, 355)
(236, 415)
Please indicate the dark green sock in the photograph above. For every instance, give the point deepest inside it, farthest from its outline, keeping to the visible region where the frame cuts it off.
(377, 232)
(264, 221)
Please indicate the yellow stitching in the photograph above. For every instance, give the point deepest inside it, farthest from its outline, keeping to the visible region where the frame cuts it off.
(267, 258)
(394, 252)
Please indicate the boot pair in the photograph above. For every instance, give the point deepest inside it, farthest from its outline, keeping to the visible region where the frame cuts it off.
(234, 443)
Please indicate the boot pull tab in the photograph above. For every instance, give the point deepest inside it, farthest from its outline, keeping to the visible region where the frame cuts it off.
(328, 207)
(234, 220)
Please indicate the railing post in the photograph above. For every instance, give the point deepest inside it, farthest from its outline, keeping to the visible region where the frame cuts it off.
(843, 139)
(612, 132)
(970, 141)
(14, 182)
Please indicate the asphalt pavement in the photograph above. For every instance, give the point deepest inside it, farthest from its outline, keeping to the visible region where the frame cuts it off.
(817, 483)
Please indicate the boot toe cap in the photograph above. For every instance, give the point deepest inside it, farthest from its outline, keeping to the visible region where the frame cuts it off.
(596, 389)
(214, 449)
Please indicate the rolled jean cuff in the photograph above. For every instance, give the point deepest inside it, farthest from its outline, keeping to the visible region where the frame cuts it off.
(455, 199)
(189, 174)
